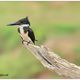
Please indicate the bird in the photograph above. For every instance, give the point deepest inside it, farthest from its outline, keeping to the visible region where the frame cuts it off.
(26, 33)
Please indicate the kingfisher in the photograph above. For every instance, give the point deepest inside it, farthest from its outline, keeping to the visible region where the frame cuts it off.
(26, 33)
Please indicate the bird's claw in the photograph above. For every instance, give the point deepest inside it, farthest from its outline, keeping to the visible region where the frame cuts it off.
(28, 42)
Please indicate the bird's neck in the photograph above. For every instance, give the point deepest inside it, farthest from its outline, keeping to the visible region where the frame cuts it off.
(21, 27)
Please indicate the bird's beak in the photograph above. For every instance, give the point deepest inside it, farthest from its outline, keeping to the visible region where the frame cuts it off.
(13, 24)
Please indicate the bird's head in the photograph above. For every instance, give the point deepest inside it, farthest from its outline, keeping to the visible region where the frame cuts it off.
(24, 21)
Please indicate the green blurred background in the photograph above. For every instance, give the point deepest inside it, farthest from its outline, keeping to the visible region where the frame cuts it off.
(56, 25)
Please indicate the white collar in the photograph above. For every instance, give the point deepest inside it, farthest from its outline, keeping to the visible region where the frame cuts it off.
(26, 25)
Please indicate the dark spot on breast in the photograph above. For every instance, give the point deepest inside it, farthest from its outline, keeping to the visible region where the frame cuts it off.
(25, 29)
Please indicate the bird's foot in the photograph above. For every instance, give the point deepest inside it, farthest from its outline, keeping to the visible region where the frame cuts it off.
(24, 41)
(28, 42)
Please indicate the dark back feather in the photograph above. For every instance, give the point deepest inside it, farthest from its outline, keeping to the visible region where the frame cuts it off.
(31, 35)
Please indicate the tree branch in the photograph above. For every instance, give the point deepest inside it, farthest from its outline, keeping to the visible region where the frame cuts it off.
(54, 62)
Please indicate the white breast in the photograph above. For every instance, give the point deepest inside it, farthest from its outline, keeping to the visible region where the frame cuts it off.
(24, 35)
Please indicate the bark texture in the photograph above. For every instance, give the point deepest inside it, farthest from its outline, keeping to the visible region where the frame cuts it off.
(54, 62)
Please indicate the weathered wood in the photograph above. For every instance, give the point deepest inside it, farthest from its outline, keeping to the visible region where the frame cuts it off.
(54, 62)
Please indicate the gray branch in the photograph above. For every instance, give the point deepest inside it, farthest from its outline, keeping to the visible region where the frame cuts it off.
(54, 62)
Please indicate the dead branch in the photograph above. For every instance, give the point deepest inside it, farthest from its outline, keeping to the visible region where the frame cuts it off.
(54, 62)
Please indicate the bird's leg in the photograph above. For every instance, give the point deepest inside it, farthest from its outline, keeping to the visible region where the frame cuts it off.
(22, 41)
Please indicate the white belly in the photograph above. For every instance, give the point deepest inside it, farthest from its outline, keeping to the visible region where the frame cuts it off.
(26, 37)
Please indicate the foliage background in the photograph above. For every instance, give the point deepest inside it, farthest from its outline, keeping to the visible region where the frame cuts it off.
(56, 25)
